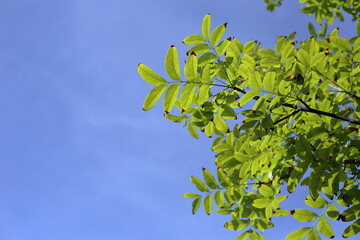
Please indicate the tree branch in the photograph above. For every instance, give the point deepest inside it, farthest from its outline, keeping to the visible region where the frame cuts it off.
(286, 117)
(351, 161)
(308, 109)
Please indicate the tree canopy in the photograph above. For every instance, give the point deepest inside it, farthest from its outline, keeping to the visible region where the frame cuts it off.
(280, 118)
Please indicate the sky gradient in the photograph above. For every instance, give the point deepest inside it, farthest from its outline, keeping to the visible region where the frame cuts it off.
(79, 159)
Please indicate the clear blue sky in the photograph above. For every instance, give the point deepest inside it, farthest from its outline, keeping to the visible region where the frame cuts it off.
(79, 159)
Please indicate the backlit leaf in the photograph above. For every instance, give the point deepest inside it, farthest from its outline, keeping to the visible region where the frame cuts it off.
(217, 34)
(325, 228)
(353, 228)
(208, 204)
(199, 184)
(153, 96)
(303, 215)
(172, 65)
(194, 39)
(149, 75)
(171, 95)
(298, 234)
(191, 195)
(210, 179)
(205, 26)
(195, 205)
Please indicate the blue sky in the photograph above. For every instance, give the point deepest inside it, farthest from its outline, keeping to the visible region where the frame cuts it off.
(79, 159)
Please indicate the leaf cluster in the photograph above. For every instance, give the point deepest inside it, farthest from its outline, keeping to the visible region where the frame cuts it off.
(280, 118)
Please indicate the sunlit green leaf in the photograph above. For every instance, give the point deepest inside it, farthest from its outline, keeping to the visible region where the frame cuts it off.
(199, 184)
(195, 205)
(149, 75)
(352, 229)
(236, 224)
(190, 69)
(325, 228)
(219, 199)
(210, 179)
(313, 235)
(153, 96)
(172, 65)
(187, 94)
(208, 204)
(191, 195)
(298, 234)
(194, 39)
(205, 26)
(217, 34)
(303, 215)
(171, 95)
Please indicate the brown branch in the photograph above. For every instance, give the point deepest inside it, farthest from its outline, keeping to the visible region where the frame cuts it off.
(351, 161)
(286, 117)
(307, 109)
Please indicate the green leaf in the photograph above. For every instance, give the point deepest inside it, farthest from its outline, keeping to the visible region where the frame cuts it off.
(255, 81)
(316, 181)
(262, 224)
(153, 96)
(223, 179)
(322, 31)
(217, 34)
(221, 147)
(295, 176)
(191, 195)
(319, 57)
(199, 184)
(298, 234)
(187, 95)
(266, 52)
(332, 212)
(206, 58)
(172, 65)
(325, 228)
(303, 57)
(195, 205)
(236, 224)
(177, 119)
(205, 26)
(266, 191)
(313, 235)
(194, 39)
(303, 148)
(303, 215)
(353, 228)
(190, 69)
(340, 43)
(199, 49)
(248, 61)
(192, 129)
(219, 199)
(248, 96)
(149, 75)
(269, 81)
(208, 204)
(220, 123)
(210, 179)
(261, 202)
(351, 213)
(319, 202)
(171, 95)
(312, 30)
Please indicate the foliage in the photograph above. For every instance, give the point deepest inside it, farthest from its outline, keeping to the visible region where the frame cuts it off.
(280, 118)
(324, 9)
